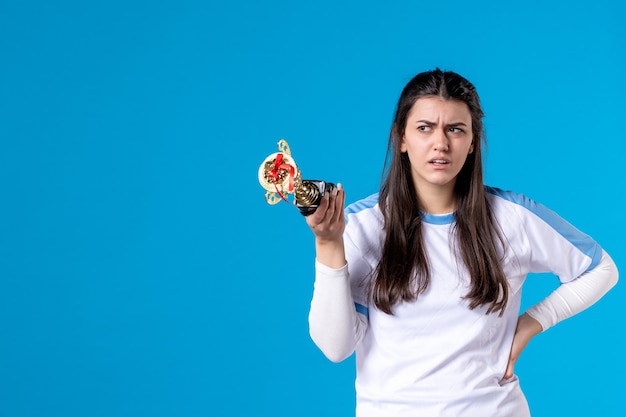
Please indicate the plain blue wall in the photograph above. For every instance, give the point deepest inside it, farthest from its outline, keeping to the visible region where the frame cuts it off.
(142, 272)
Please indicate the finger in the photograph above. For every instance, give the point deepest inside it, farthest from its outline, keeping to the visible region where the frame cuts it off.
(317, 217)
(340, 199)
(331, 202)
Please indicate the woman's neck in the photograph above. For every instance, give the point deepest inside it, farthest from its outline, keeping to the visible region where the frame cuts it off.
(437, 200)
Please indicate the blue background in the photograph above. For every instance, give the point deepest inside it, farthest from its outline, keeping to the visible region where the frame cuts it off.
(142, 272)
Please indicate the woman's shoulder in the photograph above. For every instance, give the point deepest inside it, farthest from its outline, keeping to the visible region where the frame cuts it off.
(503, 202)
(367, 204)
(501, 196)
(364, 216)
(507, 195)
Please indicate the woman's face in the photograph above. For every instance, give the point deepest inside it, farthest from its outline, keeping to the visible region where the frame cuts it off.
(437, 139)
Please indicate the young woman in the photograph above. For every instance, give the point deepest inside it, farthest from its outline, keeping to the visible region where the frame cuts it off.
(423, 280)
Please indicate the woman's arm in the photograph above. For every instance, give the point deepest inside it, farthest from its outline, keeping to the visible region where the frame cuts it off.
(575, 296)
(334, 324)
(567, 300)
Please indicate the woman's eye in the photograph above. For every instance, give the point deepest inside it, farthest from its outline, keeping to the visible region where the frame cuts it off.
(456, 130)
(423, 128)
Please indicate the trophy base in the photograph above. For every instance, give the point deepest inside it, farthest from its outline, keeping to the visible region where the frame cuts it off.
(308, 208)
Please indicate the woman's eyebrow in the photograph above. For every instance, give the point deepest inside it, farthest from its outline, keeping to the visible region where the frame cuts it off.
(428, 122)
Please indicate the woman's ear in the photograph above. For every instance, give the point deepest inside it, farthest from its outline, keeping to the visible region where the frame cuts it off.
(395, 132)
(402, 145)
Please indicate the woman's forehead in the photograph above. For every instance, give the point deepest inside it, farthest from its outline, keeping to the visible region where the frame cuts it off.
(434, 108)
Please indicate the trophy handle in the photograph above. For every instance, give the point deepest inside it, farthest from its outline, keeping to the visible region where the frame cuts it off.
(272, 198)
(284, 147)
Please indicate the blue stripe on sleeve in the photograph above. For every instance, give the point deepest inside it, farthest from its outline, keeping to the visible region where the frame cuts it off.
(364, 204)
(581, 241)
(362, 309)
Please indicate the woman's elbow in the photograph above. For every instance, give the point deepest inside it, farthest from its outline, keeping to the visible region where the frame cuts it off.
(612, 271)
(334, 353)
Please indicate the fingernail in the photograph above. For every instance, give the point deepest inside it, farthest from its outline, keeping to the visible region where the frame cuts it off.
(339, 186)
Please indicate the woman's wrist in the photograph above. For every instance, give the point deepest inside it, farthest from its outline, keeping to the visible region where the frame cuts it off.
(330, 253)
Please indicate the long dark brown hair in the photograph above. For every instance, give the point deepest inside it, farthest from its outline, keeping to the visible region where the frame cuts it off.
(403, 271)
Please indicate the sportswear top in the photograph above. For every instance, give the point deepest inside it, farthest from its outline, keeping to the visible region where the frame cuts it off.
(435, 356)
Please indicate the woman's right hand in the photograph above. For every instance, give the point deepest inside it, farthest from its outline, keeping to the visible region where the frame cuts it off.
(328, 224)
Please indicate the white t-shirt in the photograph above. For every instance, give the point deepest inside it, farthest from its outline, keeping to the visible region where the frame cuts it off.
(434, 356)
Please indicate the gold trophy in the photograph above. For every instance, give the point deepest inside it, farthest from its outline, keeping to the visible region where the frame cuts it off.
(279, 176)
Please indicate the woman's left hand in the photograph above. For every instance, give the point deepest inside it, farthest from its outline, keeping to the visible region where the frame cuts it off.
(527, 328)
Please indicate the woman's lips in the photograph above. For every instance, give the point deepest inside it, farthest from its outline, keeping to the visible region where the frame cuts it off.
(439, 163)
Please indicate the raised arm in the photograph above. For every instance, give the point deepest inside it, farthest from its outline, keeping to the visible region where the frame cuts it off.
(334, 324)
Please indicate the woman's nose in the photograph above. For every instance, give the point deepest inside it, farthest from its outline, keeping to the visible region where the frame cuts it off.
(440, 141)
